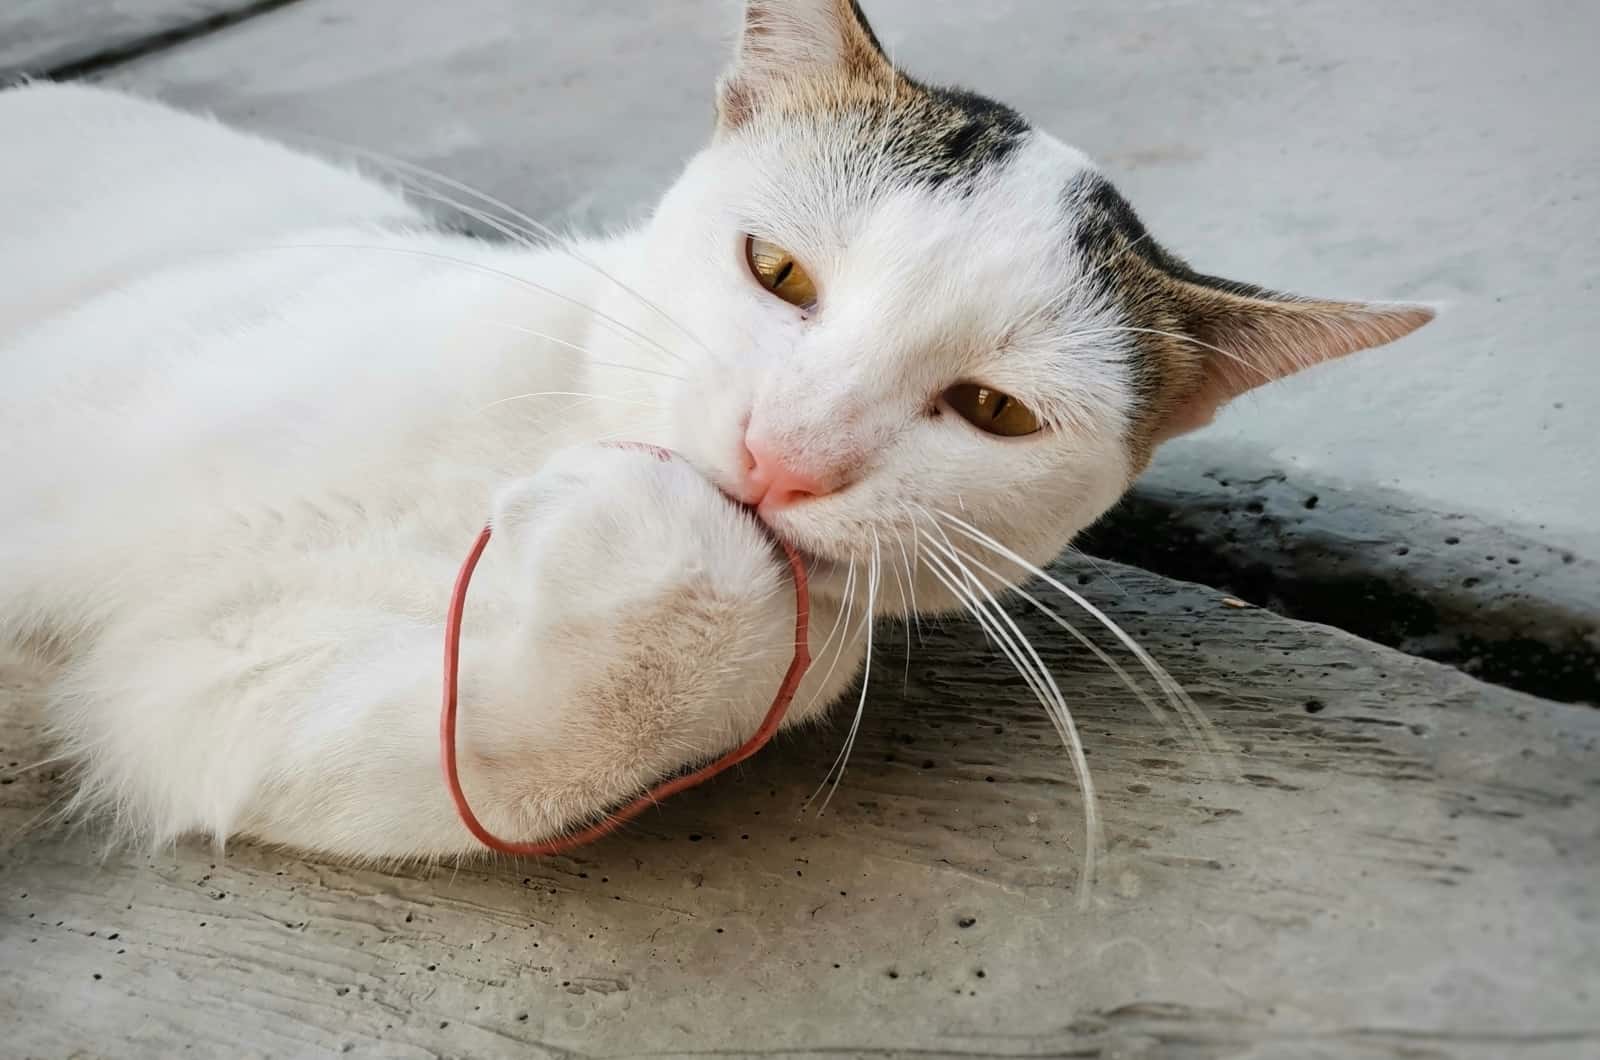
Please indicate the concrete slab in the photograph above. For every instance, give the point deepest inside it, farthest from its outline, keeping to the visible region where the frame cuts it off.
(1421, 150)
(1404, 862)
(1505, 607)
(48, 38)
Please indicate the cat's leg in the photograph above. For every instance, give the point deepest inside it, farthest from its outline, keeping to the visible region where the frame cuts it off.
(648, 624)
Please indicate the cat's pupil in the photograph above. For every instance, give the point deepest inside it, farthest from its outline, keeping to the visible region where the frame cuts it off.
(783, 273)
(992, 411)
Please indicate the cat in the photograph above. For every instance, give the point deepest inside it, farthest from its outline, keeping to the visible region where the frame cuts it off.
(257, 406)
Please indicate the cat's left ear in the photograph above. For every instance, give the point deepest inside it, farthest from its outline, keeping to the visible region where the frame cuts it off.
(1244, 337)
(791, 45)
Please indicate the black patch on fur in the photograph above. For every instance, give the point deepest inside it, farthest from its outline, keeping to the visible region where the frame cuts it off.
(987, 134)
(946, 137)
(866, 27)
(1156, 290)
(1106, 226)
(1108, 233)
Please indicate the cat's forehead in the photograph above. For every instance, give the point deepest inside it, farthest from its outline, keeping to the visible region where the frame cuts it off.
(989, 251)
(946, 139)
(944, 176)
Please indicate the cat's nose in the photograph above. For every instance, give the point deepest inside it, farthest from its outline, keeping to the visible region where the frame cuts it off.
(773, 483)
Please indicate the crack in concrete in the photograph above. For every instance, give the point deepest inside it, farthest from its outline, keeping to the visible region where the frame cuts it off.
(1504, 607)
(127, 51)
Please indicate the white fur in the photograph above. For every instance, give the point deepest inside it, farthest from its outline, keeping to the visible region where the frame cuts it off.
(255, 411)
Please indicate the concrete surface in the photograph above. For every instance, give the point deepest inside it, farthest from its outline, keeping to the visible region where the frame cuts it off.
(1504, 606)
(1404, 863)
(68, 37)
(1422, 149)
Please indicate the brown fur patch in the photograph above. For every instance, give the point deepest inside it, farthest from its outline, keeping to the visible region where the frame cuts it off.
(933, 135)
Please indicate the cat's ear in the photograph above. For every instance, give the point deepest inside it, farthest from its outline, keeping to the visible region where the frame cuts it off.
(1243, 337)
(787, 44)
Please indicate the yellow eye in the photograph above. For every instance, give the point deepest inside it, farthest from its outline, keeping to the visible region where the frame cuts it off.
(776, 270)
(991, 411)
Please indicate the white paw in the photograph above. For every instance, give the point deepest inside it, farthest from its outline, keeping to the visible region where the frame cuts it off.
(658, 622)
(611, 529)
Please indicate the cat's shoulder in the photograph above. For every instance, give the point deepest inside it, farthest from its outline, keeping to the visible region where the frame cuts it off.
(105, 186)
(74, 100)
(122, 138)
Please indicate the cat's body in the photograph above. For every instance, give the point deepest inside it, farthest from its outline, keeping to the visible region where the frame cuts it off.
(256, 410)
(244, 514)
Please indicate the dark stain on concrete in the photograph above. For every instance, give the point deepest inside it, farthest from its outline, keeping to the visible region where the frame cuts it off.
(1500, 606)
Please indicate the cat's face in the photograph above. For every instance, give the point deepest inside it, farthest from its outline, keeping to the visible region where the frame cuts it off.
(935, 317)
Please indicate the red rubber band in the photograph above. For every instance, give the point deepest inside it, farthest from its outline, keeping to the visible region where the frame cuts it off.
(612, 821)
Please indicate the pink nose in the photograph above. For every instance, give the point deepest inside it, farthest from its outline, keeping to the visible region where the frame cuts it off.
(772, 483)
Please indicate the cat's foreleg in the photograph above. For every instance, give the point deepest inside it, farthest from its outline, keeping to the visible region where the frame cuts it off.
(649, 622)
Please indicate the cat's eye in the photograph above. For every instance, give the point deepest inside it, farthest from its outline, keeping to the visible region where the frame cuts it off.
(991, 411)
(775, 269)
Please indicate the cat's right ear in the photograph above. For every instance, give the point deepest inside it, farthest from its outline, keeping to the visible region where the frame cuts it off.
(788, 48)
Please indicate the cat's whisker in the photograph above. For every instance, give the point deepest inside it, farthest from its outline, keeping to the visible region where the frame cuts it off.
(839, 620)
(911, 560)
(587, 355)
(1054, 302)
(1266, 377)
(1018, 649)
(1099, 568)
(836, 771)
(899, 585)
(575, 394)
(555, 422)
(1180, 699)
(488, 270)
(528, 223)
(522, 237)
(1098, 652)
(845, 606)
(908, 603)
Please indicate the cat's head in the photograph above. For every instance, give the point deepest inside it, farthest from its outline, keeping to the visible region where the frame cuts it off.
(895, 300)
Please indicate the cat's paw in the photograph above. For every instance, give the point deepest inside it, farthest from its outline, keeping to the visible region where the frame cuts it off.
(657, 623)
(603, 530)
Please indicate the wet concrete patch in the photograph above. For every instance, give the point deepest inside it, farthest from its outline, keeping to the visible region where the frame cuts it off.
(1498, 604)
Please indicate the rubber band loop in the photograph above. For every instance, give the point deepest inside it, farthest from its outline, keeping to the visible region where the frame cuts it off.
(667, 788)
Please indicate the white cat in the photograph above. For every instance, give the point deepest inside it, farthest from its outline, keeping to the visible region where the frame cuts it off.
(255, 409)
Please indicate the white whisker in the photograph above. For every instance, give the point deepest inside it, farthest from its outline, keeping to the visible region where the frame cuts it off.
(588, 358)
(1099, 653)
(573, 393)
(1175, 693)
(844, 641)
(837, 769)
(1014, 644)
(488, 270)
(908, 600)
(1123, 329)
(528, 223)
(910, 561)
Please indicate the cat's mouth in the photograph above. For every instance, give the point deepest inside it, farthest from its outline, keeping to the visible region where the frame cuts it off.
(821, 559)
(813, 558)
